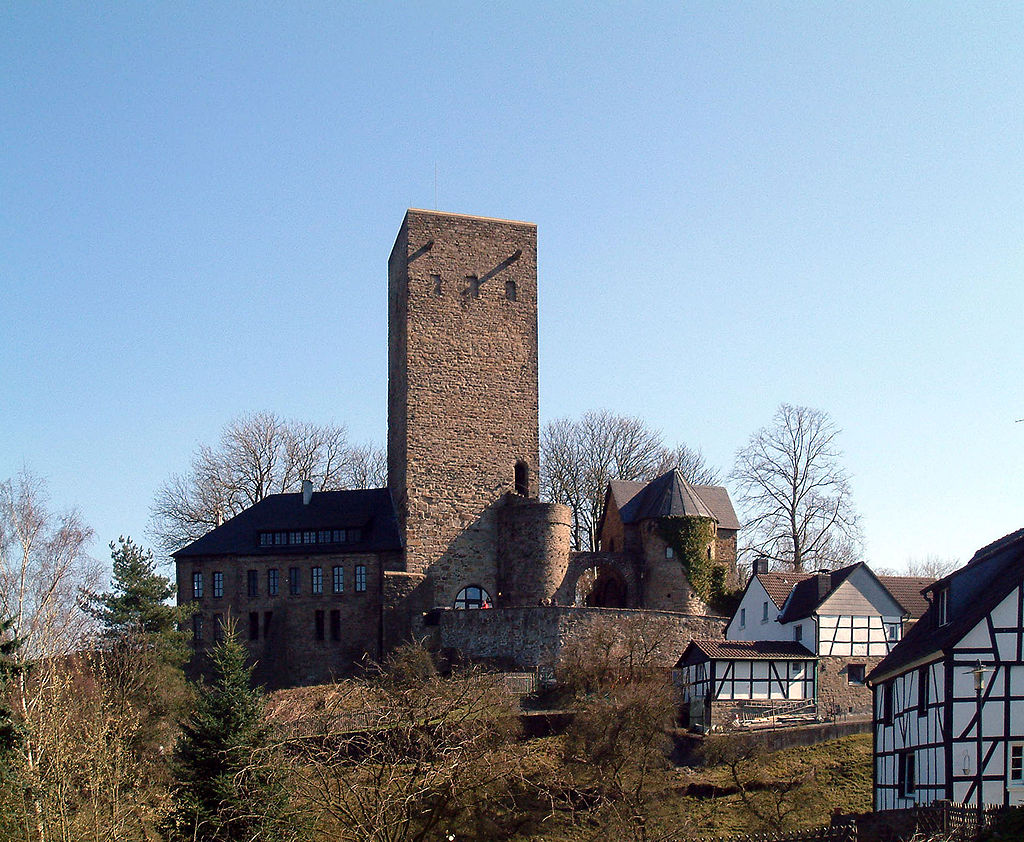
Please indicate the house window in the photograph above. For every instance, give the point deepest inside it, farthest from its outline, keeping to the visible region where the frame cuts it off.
(892, 632)
(360, 578)
(764, 613)
(906, 777)
(798, 633)
(798, 669)
(318, 622)
(273, 580)
(268, 616)
(218, 627)
(669, 552)
(888, 703)
(335, 625)
(1016, 770)
(253, 577)
(218, 584)
(318, 580)
(254, 625)
(197, 628)
(293, 580)
(472, 597)
(855, 673)
(942, 605)
(338, 578)
(197, 585)
(743, 618)
(922, 691)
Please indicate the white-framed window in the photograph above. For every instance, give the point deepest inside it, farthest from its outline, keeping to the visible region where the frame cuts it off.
(472, 597)
(906, 774)
(764, 613)
(197, 585)
(360, 578)
(273, 581)
(317, 580)
(218, 584)
(1015, 769)
(338, 577)
(892, 632)
(942, 605)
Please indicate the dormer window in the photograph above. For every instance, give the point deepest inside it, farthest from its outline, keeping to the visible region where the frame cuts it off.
(942, 606)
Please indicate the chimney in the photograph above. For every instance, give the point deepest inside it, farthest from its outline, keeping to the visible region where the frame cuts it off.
(760, 565)
(307, 492)
(824, 583)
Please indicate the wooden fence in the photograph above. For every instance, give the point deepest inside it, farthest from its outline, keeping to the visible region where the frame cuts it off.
(942, 822)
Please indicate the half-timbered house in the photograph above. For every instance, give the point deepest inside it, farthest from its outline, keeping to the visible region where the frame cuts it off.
(725, 681)
(849, 618)
(949, 699)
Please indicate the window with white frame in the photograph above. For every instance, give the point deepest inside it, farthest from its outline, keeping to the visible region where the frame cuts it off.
(218, 584)
(360, 578)
(764, 613)
(338, 578)
(197, 585)
(1015, 770)
(317, 580)
(942, 605)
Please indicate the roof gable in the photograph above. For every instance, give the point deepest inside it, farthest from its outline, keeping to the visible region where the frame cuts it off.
(993, 572)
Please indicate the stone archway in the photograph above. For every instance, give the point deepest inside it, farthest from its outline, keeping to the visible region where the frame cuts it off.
(608, 590)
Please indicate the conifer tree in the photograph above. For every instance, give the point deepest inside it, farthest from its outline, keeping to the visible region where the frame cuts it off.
(230, 784)
(10, 668)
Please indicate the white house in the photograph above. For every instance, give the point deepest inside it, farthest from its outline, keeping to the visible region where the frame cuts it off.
(928, 690)
(726, 680)
(849, 618)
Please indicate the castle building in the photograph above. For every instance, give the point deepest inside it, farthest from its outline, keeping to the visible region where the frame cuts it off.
(319, 580)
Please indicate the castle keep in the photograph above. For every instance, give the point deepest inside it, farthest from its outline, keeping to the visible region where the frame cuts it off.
(320, 580)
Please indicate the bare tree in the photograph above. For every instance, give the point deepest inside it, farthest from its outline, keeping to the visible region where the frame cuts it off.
(258, 454)
(43, 568)
(406, 754)
(795, 493)
(615, 670)
(580, 457)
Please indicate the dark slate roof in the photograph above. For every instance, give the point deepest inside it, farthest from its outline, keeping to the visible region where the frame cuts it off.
(371, 510)
(807, 595)
(744, 650)
(778, 585)
(908, 591)
(1003, 571)
(671, 495)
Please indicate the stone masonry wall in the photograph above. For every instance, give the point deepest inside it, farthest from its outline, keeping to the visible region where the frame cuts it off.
(280, 630)
(462, 388)
(835, 689)
(533, 553)
(528, 638)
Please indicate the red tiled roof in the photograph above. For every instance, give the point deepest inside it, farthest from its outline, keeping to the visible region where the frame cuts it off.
(906, 590)
(778, 584)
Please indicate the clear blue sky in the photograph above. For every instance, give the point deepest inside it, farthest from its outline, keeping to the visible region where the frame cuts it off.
(738, 205)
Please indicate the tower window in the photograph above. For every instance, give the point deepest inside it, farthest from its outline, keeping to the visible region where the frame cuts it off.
(360, 578)
(472, 286)
(522, 477)
(472, 597)
(510, 290)
(437, 284)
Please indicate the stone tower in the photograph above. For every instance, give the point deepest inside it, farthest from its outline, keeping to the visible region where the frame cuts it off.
(462, 391)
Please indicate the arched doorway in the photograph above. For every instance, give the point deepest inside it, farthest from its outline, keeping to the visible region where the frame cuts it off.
(609, 590)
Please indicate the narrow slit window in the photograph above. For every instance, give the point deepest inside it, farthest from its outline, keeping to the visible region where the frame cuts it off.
(522, 479)
(510, 290)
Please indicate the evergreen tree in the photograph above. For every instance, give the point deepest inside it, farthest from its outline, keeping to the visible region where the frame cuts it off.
(138, 606)
(10, 669)
(230, 784)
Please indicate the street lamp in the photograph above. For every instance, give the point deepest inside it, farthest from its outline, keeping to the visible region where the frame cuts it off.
(979, 684)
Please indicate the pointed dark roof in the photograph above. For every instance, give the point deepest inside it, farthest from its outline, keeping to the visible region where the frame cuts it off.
(370, 510)
(670, 495)
(743, 650)
(975, 590)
